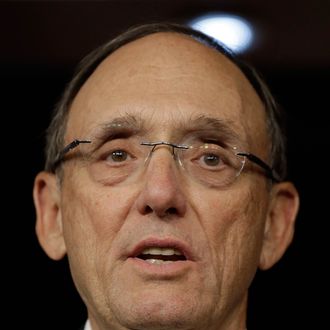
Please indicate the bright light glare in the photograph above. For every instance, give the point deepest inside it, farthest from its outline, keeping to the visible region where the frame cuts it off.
(233, 31)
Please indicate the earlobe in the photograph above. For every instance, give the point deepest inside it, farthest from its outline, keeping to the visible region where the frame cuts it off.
(279, 226)
(49, 231)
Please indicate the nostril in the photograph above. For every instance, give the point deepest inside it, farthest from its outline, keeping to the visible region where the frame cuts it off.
(172, 210)
(147, 209)
(169, 211)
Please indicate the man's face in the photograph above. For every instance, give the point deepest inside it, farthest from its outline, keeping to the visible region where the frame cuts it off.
(166, 82)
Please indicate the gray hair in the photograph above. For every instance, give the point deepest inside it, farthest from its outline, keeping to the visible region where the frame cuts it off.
(57, 128)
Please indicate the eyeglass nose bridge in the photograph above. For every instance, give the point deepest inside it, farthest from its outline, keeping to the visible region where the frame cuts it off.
(170, 144)
(154, 145)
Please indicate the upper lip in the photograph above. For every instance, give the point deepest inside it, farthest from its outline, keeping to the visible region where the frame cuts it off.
(162, 243)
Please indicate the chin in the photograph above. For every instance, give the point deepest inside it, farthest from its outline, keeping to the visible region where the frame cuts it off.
(160, 317)
(161, 311)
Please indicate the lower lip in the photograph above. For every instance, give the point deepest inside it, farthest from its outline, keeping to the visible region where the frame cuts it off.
(164, 270)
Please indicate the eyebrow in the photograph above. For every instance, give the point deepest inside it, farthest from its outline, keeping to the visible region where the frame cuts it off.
(205, 123)
(119, 127)
(130, 124)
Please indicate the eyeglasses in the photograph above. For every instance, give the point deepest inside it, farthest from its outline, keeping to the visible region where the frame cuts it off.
(121, 160)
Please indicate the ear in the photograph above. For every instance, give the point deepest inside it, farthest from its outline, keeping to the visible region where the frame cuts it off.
(49, 231)
(279, 226)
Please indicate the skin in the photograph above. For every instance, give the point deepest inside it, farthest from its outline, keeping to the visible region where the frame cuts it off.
(164, 79)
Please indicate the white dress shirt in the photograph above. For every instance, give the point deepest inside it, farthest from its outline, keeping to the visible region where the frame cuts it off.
(88, 325)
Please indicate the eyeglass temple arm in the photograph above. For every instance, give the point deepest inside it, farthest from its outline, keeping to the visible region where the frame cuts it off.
(65, 150)
(269, 171)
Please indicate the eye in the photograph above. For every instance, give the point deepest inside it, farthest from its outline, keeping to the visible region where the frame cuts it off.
(209, 156)
(117, 152)
(211, 159)
(118, 156)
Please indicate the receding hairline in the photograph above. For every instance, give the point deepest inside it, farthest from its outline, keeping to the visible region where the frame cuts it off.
(167, 36)
(167, 39)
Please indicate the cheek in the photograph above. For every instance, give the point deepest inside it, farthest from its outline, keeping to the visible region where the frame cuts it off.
(237, 214)
(233, 225)
(92, 221)
(92, 214)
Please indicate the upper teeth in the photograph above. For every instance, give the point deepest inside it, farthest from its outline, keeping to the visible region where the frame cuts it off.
(161, 251)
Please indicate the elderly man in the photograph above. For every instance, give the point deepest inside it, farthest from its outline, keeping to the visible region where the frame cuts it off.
(164, 183)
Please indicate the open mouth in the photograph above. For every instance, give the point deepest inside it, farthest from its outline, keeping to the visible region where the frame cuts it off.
(160, 255)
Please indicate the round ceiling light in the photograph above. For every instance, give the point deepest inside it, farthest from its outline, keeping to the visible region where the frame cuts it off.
(233, 31)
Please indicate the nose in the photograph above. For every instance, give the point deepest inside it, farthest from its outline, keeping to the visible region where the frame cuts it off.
(161, 192)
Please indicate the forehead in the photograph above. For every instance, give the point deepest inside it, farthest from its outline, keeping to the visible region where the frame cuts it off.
(165, 77)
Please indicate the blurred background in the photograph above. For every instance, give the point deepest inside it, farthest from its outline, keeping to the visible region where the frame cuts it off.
(41, 42)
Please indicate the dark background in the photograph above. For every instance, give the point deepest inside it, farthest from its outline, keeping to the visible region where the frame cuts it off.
(40, 44)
